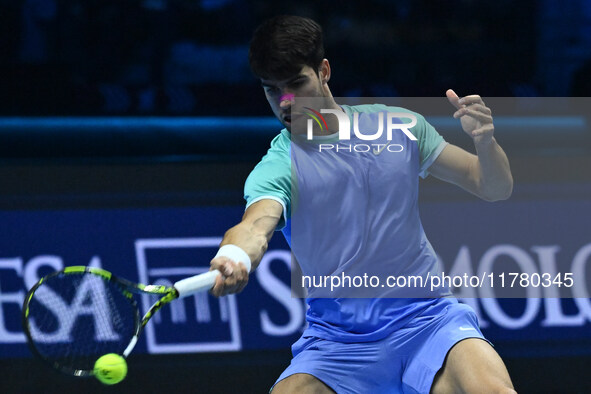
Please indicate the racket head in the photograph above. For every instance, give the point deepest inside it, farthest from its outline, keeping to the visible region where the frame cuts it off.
(74, 316)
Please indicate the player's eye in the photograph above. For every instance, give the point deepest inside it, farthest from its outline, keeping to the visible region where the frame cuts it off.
(271, 90)
(297, 83)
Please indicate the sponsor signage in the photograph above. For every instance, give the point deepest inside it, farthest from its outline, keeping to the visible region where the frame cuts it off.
(163, 245)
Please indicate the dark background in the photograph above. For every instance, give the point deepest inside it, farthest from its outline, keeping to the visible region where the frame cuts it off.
(111, 59)
(188, 57)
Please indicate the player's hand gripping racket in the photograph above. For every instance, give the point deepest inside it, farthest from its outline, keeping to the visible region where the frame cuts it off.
(74, 316)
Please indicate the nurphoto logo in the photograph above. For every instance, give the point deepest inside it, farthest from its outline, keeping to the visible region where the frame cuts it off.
(393, 122)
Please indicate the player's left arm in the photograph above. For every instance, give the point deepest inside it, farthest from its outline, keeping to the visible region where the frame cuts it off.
(487, 174)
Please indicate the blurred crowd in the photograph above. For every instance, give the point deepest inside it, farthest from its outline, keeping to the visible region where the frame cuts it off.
(189, 57)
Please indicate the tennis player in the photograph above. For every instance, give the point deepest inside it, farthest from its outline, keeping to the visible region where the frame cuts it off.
(362, 345)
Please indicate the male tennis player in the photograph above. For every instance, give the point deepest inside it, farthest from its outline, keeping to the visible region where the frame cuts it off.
(361, 211)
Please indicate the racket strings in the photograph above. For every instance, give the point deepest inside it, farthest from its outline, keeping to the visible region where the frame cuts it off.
(75, 318)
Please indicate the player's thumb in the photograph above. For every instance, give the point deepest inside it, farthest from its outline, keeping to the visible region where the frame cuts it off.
(223, 264)
(453, 98)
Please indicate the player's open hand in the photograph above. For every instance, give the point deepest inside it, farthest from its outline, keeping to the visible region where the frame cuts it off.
(233, 278)
(474, 115)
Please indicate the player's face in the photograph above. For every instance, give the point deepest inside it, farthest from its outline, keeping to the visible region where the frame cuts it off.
(281, 93)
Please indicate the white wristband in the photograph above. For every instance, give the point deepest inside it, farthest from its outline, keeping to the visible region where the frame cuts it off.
(236, 254)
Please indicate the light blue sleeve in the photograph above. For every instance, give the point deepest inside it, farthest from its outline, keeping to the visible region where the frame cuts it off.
(271, 178)
(431, 144)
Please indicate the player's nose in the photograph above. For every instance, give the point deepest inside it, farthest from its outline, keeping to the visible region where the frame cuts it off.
(286, 100)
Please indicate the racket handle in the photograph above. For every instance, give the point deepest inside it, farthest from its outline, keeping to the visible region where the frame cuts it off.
(197, 283)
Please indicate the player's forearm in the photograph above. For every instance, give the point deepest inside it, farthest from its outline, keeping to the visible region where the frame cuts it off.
(245, 243)
(253, 237)
(495, 181)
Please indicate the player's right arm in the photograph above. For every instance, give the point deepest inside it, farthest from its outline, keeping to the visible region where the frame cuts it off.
(252, 235)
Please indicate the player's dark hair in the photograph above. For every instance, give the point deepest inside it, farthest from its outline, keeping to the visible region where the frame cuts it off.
(282, 45)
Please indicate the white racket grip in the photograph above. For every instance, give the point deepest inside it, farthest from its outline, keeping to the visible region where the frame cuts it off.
(197, 283)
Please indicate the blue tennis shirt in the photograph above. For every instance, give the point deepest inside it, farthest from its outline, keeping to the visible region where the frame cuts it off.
(351, 210)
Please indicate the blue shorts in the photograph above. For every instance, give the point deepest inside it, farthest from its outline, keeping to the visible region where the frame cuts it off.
(404, 362)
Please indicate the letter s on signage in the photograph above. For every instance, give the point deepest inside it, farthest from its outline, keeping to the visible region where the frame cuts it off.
(32, 267)
(282, 293)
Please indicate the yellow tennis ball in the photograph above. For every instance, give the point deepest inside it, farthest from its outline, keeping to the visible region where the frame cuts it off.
(110, 368)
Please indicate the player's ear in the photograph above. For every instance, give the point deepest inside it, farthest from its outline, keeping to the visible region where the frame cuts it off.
(324, 71)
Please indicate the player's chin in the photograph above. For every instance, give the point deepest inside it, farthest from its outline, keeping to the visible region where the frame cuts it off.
(286, 124)
(295, 124)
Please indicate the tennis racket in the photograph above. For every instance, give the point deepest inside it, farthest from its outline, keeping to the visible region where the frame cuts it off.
(74, 316)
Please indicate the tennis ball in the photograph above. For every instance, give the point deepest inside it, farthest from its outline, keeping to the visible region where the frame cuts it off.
(110, 368)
